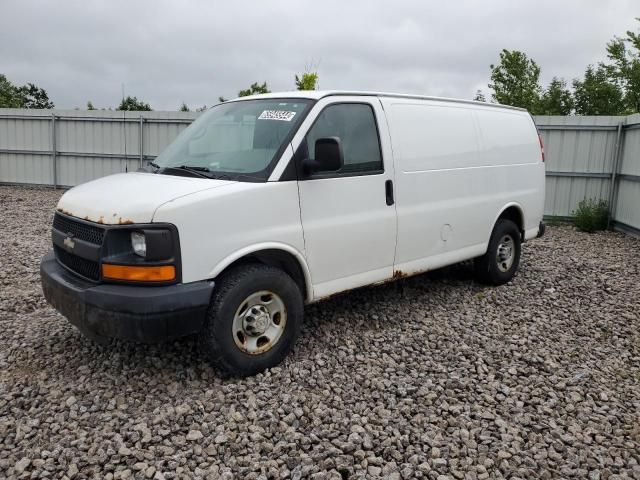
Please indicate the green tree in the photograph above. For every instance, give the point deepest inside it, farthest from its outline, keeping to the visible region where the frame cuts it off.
(34, 97)
(133, 104)
(556, 99)
(254, 89)
(596, 94)
(90, 106)
(221, 99)
(9, 97)
(307, 81)
(26, 96)
(184, 108)
(515, 81)
(624, 54)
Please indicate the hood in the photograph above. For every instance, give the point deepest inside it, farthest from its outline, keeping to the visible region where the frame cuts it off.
(130, 197)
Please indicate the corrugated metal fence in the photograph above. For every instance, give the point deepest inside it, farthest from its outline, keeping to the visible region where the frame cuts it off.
(593, 157)
(587, 157)
(69, 147)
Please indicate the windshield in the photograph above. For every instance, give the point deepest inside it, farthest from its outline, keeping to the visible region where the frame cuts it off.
(236, 140)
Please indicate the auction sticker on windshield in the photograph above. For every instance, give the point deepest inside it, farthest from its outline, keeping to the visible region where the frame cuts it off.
(283, 115)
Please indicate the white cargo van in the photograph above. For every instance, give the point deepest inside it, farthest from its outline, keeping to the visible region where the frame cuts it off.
(269, 202)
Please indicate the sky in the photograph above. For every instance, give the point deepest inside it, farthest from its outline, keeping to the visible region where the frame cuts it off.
(193, 51)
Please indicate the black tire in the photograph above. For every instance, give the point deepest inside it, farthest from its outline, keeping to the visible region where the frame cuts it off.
(217, 338)
(488, 268)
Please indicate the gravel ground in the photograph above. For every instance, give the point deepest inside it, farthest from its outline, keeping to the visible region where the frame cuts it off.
(435, 377)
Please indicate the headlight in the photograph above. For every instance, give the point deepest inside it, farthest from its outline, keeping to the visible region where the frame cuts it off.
(142, 253)
(139, 243)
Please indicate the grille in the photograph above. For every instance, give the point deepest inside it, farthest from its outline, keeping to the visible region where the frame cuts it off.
(81, 266)
(79, 230)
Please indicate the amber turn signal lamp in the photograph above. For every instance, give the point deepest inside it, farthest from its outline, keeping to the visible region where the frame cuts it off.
(130, 273)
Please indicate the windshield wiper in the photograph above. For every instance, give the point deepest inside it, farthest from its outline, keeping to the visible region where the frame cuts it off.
(205, 172)
(195, 170)
(155, 165)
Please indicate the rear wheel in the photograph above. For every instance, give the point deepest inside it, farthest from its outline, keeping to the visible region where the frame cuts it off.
(501, 261)
(253, 320)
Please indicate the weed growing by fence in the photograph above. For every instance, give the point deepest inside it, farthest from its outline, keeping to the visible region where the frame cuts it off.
(591, 215)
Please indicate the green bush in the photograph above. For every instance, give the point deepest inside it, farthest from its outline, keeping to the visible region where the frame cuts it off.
(591, 215)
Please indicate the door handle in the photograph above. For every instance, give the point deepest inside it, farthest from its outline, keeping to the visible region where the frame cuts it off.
(388, 190)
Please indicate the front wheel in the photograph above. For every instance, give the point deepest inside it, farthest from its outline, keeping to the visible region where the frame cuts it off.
(253, 320)
(501, 261)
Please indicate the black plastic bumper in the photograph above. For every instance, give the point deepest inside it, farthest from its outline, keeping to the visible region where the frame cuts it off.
(141, 313)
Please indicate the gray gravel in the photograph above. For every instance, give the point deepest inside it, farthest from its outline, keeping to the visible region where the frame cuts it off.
(435, 377)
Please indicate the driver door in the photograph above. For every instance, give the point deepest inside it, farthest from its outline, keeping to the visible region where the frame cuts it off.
(349, 216)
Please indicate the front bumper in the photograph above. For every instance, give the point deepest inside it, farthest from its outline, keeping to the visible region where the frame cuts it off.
(141, 313)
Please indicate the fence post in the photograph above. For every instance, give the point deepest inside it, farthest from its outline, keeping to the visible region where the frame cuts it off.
(613, 187)
(141, 137)
(54, 156)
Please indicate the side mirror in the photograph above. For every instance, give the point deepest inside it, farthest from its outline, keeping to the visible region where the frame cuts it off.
(328, 156)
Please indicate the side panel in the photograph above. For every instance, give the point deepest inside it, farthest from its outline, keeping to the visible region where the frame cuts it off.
(510, 138)
(214, 227)
(452, 183)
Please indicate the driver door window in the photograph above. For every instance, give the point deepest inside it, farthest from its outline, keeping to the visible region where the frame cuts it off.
(355, 125)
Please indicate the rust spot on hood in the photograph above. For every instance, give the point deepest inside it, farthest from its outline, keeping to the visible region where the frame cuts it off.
(66, 212)
(121, 221)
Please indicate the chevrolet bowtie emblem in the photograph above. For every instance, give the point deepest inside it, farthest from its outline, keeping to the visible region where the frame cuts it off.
(69, 243)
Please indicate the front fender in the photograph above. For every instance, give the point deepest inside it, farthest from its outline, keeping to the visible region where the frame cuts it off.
(252, 249)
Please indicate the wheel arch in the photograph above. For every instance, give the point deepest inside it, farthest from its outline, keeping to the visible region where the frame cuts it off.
(278, 255)
(512, 211)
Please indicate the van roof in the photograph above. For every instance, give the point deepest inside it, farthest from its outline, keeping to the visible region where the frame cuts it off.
(318, 94)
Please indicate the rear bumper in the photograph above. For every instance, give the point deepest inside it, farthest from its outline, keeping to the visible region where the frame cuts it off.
(141, 313)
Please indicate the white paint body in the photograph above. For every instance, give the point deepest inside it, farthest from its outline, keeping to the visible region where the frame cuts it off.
(455, 167)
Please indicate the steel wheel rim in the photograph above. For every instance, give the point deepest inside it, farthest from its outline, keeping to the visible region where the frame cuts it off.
(506, 253)
(259, 322)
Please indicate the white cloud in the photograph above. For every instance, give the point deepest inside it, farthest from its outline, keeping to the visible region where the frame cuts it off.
(193, 51)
